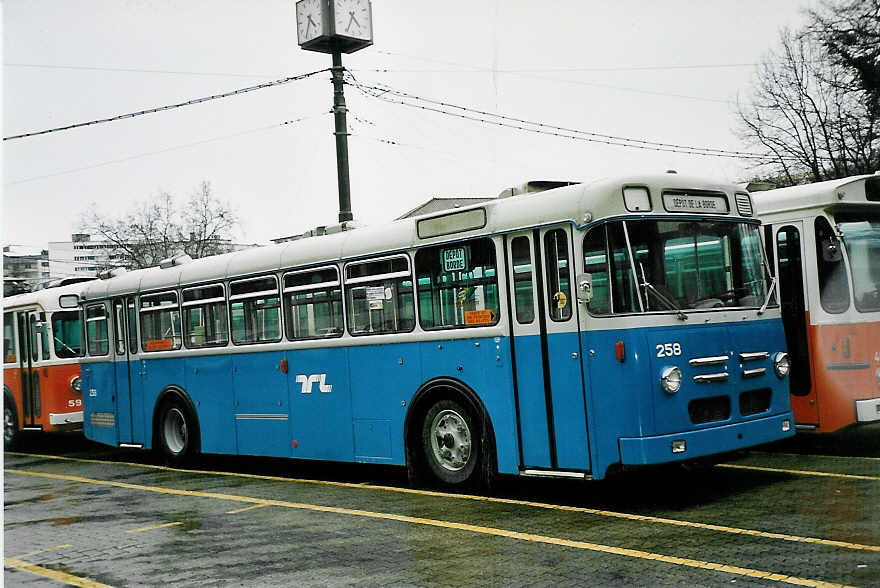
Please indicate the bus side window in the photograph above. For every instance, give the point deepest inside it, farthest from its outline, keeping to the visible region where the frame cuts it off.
(833, 283)
(255, 310)
(204, 317)
(458, 285)
(9, 355)
(313, 304)
(160, 322)
(132, 326)
(32, 322)
(380, 296)
(96, 330)
(596, 264)
(557, 270)
(523, 280)
(119, 326)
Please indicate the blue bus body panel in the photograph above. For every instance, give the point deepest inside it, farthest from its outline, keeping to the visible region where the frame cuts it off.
(99, 396)
(124, 400)
(208, 383)
(626, 400)
(321, 421)
(262, 405)
(532, 403)
(569, 415)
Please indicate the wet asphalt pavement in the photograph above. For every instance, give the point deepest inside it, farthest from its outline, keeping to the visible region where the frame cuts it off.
(800, 513)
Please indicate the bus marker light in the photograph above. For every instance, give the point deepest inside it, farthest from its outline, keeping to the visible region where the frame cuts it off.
(283, 366)
(620, 351)
(679, 446)
(786, 426)
(294, 443)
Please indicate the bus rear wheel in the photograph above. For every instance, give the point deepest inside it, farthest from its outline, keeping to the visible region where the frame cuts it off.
(10, 426)
(451, 442)
(177, 432)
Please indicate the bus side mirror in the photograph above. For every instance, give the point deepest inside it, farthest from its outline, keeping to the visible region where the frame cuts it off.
(585, 288)
(831, 250)
(68, 301)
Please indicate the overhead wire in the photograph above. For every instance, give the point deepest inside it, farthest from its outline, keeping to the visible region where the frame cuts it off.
(160, 151)
(385, 93)
(201, 100)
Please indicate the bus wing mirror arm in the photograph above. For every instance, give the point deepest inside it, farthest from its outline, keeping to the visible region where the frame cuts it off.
(769, 296)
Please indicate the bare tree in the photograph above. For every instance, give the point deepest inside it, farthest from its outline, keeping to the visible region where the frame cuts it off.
(805, 115)
(159, 228)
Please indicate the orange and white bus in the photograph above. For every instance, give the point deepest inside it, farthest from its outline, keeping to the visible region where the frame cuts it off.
(825, 241)
(41, 350)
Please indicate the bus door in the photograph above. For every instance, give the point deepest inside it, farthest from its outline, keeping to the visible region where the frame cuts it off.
(546, 341)
(127, 372)
(29, 345)
(790, 274)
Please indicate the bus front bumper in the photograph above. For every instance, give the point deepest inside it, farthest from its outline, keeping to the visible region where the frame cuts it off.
(703, 442)
(868, 411)
(65, 418)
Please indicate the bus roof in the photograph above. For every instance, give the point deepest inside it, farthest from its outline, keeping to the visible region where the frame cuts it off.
(577, 203)
(47, 298)
(820, 195)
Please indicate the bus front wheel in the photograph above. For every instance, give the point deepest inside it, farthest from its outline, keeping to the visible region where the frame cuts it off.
(177, 432)
(10, 425)
(451, 442)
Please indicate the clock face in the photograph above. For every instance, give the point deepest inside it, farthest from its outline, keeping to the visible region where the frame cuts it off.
(309, 19)
(353, 19)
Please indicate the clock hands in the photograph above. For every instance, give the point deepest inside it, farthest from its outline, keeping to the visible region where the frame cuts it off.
(352, 19)
(310, 23)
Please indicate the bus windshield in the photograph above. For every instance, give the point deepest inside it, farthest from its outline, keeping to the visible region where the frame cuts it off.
(861, 235)
(678, 265)
(66, 332)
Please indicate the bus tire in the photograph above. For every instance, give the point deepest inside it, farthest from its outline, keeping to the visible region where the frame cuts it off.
(451, 439)
(10, 423)
(177, 432)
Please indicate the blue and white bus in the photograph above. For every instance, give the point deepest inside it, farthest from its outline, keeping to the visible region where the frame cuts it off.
(566, 332)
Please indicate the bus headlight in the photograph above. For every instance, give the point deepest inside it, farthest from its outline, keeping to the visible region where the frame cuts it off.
(670, 379)
(76, 384)
(781, 364)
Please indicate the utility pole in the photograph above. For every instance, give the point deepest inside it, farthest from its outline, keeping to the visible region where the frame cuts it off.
(336, 27)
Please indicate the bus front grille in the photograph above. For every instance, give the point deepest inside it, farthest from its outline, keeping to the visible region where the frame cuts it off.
(707, 410)
(103, 419)
(754, 401)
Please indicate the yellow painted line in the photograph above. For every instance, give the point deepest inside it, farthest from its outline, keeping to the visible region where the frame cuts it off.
(151, 527)
(44, 550)
(511, 501)
(849, 457)
(62, 577)
(798, 472)
(633, 553)
(247, 508)
(492, 499)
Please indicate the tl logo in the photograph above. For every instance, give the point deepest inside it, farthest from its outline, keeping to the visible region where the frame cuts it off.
(307, 382)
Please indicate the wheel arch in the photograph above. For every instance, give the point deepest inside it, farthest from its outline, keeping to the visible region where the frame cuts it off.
(451, 389)
(176, 393)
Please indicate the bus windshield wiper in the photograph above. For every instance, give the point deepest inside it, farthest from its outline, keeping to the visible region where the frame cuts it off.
(769, 295)
(669, 303)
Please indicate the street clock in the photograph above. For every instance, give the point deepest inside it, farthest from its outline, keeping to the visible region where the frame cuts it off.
(334, 26)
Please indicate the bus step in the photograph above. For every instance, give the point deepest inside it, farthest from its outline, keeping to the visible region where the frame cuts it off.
(32, 428)
(132, 445)
(805, 427)
(555, 474)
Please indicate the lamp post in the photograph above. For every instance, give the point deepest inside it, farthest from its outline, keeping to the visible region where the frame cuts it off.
(336, 27)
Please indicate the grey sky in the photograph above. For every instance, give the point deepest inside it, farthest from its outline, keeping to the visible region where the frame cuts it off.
(282, 179)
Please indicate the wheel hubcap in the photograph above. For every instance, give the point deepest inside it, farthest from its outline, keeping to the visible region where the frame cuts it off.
(450, 440)
(174, 430)
(8, 425)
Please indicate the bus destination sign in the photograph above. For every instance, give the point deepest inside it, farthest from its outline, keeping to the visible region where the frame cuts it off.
(454, 260)
(700, 203)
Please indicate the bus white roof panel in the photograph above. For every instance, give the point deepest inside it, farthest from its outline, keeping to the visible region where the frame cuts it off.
(47, 299)
(819, 195)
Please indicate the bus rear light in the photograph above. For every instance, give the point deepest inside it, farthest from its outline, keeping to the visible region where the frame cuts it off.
(679, 446)
(786, 425)
(620, 351)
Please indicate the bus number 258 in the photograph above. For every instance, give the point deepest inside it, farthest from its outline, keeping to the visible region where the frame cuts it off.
(668, 349)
